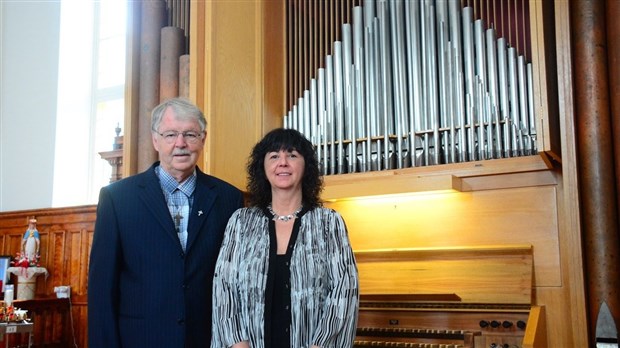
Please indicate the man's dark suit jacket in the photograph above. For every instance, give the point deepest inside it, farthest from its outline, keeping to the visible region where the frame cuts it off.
(143, 290)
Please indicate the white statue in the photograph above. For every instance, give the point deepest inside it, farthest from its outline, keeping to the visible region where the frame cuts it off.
(31, 242)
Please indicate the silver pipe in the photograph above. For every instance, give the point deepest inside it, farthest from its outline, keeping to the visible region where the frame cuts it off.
(369, 14)
(375, 97)
(455, 13)
(490, 149)
(442, 51)
(385, 78)
(414, 77)
(329, 93)
(524, 128)
(532, 111)
(433, 95)
(502, 68)
(478, 109)
(398, 71)
(370, 94)
(339, 107)
(425, 49)
(452, 104)
(358, 82)
(481, 58)
(321, 106)
(456, 30)
(481, 73)
(349, 105)
(468, 59)
(314, 118)
(307, 117)
(370, 79)
(294, 123)
(299, 115)
(513, 99)
(491, 38)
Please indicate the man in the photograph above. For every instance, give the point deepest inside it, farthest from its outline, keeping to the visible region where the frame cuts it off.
(156, 240)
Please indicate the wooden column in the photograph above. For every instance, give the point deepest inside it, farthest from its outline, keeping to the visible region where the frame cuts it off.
(153, 19)
(596, 165)
(184, 76)
(613, 53)
(172, 47)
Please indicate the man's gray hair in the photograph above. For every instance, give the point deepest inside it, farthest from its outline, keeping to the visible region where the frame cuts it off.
(184, 109)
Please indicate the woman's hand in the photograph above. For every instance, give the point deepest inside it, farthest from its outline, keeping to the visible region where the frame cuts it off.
(243, 344)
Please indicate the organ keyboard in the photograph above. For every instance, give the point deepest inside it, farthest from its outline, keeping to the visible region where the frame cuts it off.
(449, 298)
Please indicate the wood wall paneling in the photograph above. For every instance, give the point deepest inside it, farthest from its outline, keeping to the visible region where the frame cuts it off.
(233, 89)
(66, 237)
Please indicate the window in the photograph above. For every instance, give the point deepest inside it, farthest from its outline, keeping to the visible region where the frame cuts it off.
(90, 97)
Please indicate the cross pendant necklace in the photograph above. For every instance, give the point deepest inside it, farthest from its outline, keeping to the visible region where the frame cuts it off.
(177, 221)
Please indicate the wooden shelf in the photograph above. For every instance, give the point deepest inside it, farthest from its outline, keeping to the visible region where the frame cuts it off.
(437, 178)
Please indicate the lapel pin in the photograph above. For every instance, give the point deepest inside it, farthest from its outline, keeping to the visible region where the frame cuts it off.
(199, 212)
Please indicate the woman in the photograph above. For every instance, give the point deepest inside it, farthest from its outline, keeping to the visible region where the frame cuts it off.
(286, 275)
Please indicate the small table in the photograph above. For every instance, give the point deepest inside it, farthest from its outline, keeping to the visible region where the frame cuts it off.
(17, 327)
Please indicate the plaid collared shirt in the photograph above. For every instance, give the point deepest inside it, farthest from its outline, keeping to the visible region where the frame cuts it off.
(179, 198)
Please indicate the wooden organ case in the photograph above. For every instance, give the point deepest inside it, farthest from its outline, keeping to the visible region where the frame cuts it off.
(396, 89)
(470, 297)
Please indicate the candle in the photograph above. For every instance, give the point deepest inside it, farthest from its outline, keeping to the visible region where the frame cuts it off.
(8, 296)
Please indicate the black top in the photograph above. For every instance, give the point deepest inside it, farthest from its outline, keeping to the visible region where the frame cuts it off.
(281, 304)
(278, 292)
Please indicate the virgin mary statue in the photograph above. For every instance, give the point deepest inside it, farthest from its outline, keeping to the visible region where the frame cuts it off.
(31, 241)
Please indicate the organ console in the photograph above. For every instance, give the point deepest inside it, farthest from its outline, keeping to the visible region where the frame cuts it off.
(468, 297)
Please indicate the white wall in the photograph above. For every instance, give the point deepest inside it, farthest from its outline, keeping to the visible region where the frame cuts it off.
(28, 93)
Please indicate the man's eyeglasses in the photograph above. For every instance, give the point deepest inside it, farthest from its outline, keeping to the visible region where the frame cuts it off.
(190, 137)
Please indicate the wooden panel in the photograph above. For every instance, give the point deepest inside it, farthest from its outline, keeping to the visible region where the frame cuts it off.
(536, 331)
(66, 237)
(491, 274)
(237, 76)
(525, 215)
(545, 78)
(234, 78)
(432, 178)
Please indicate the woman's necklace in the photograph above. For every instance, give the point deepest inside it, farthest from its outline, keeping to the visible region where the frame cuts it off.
(284, 218)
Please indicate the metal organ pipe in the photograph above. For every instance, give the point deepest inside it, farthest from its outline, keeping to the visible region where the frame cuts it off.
(385, 78)
(513, 98)
(360, 132)
(491, 40)
(458, 87)
(414, 80)
(417, 83)
(349, 123)
(339, 107)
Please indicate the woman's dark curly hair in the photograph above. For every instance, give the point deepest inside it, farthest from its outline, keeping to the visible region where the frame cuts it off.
(278, 139)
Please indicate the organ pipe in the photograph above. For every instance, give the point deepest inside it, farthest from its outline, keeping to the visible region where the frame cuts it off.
(410, 83)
